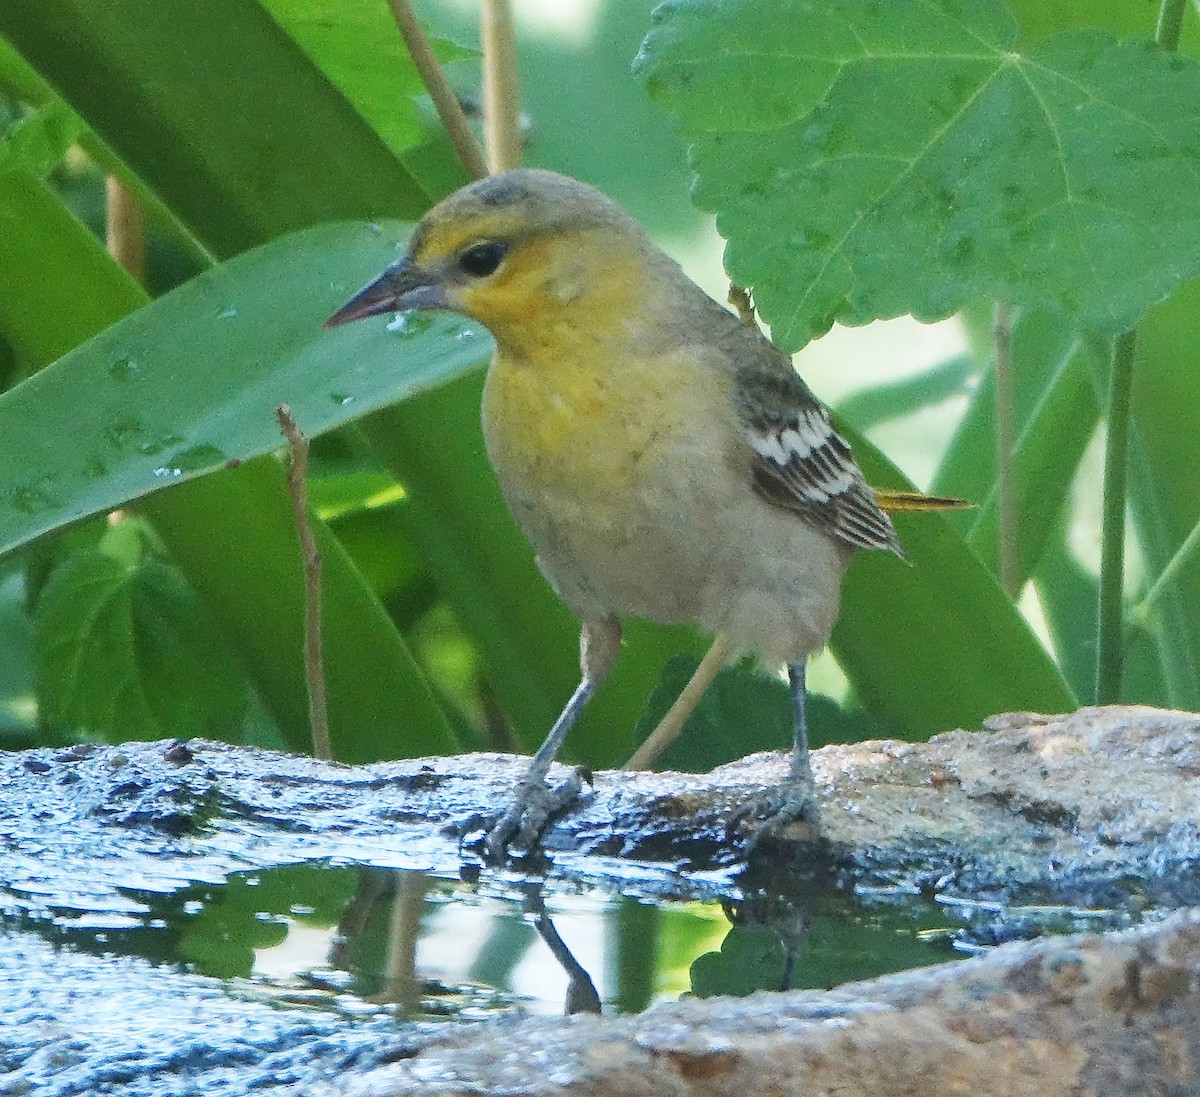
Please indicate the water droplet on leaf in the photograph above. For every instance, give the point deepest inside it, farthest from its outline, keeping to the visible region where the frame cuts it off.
(124, 369)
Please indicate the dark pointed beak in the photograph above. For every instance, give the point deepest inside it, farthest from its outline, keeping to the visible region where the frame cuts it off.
(399, 288)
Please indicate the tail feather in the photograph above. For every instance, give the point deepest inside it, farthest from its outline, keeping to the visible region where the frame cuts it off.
(895, 502)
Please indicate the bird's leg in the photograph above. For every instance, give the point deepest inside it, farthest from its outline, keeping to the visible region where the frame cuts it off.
(801, 773)
(536, 802)
(671, 724)
(793, 798)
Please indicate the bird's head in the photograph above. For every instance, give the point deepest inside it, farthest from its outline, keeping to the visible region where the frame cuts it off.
(515, 251)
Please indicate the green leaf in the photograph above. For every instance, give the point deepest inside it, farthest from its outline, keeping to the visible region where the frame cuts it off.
(219, 110)
(1056, 414)
(751, 958)
(885, 401)
(380, 705)
(742, 711)
(45, 257)
(867, 160)
(338, 36)
(127, 652)
(40, 140)
(17, 706)
(935, 643)
(189, 383)
(216, 356)
(1164, 501)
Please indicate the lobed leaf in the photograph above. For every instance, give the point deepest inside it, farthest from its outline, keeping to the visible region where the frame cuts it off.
(868, 160)
(126, 651)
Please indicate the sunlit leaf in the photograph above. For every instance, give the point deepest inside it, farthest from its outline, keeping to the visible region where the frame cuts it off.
(218, 109)
(189, 383)
(867, 160)
(338, 36)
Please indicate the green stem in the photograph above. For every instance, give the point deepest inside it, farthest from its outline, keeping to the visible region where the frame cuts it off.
(1109, 648)
(1002, 325)
(1170, 23)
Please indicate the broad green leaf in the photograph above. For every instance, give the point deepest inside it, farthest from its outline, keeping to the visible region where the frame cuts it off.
(219, 110)
(190, 383)
(935, 643)
(126, 651)
(867, 160)
(16, 73)
(1037, 19)
(188, 362)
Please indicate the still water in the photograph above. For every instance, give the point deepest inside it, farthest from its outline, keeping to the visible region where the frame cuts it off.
(361, 940)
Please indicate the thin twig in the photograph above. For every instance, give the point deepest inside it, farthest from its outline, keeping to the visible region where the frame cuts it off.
(1110, 653)
(740, 299)
(445, 102)
(501, 108)
(125, 235)
(1002, 324)
(314, 666)
(670, 726)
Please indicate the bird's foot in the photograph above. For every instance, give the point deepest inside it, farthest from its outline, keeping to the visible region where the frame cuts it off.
(772, 811)
(525, 820)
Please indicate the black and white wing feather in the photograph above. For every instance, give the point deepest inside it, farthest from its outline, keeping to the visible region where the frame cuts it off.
(802, 464)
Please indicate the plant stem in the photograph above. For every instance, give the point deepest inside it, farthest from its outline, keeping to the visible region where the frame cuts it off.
(1109, 647)
(124, 234)
(501, 112)
(1002, 323)
(445, 102)
(1170, 23)
(1110, 653)
(310, 557)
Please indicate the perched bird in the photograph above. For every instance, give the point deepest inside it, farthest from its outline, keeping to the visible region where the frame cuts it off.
(662, 456)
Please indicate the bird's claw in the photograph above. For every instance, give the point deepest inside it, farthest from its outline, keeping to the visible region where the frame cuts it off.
(775, 809)
(526, 818)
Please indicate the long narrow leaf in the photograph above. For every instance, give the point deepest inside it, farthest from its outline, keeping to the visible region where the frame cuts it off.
(936, 643)
(189, 383)
(144, 74)
(107, 423)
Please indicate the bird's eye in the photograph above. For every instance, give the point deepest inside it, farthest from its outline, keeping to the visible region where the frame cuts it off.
(482, 259)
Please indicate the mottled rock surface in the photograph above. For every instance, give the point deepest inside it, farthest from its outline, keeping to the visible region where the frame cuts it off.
(1100, 808)
(1111, 1016)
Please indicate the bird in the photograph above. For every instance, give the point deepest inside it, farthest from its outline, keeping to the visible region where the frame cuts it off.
(662, 455)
